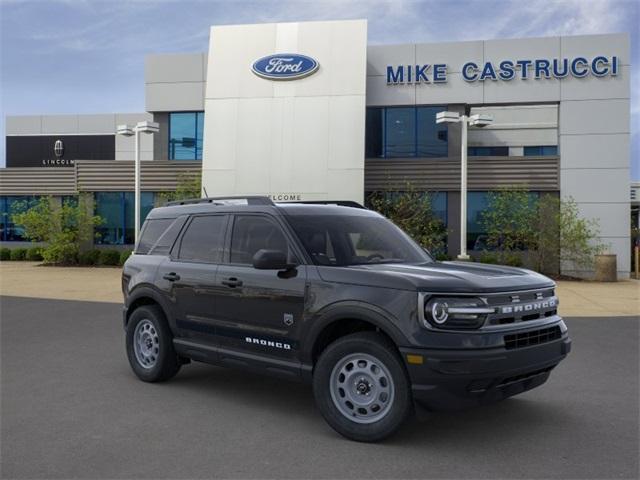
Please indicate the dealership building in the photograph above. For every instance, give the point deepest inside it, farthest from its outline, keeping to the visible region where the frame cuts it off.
(309, 111)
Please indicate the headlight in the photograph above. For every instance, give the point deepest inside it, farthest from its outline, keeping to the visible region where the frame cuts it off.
(455, 313)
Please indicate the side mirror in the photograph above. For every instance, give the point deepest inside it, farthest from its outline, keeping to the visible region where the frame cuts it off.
(270, 260)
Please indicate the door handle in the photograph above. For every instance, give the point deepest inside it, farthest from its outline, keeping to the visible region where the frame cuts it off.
(172, 277)
(232, 282)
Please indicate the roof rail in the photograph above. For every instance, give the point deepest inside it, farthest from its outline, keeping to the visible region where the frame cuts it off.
(341, 203)
(250, 199)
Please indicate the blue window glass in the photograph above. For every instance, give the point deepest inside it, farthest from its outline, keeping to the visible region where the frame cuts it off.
(488, 151)
(9, 206)
(432, 136)
(541, 151)
(400, 128)
(394, 132)
(117, 212)
(185, 135)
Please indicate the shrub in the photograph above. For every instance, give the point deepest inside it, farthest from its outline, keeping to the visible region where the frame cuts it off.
(18, 253)
(512, 260)
(90, 257)
(109, 257)
(5, 254)
(124, 256)
(487, 257)
(34, 254)
(63, 228)
(442, 257)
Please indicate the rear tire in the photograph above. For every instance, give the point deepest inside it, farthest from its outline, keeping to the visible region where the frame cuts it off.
(150, 345)
(361, 387)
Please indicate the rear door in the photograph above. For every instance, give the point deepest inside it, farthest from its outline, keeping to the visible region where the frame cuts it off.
(189, 275)
(259, 311)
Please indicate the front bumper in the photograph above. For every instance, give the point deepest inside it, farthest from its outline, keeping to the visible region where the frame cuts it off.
(452, 379)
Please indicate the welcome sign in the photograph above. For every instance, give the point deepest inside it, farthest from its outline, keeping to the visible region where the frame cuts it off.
(506, 70)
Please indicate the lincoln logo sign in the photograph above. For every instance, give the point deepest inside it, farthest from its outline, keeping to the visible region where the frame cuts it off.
(285, 66)
(58, 148)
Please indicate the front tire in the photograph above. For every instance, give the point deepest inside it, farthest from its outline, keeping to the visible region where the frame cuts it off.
(361, 387)
(150, 345)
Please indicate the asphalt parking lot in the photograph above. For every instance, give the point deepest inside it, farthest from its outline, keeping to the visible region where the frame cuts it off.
(71, 408)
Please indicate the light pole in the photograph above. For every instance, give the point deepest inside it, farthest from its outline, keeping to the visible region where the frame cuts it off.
(127, 131)
(478, 120)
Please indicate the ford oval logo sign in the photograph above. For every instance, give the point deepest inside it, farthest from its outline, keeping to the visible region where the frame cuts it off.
(285, 66)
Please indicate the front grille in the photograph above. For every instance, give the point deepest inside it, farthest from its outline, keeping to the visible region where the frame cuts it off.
(534, 337)
(518, 299)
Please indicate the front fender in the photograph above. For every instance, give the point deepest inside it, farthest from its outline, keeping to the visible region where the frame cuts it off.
(377, 316)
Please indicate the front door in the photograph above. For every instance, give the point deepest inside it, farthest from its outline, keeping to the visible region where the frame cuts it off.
(259, 311)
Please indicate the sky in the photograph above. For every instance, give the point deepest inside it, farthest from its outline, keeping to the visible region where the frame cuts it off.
(87, 56)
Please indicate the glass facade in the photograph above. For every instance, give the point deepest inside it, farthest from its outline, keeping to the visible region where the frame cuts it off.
(488, 151)
(117, 212)
(401, 132)
(10, 205)
(477, 204)
(541, 151)
(185, 135)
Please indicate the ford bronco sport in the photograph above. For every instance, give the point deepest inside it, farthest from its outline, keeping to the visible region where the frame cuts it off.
(337, 295)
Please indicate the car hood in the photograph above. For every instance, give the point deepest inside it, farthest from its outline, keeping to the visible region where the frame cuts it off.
(455, 277)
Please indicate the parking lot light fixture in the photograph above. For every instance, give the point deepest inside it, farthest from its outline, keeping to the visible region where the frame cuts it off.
(477, 120)
(127, 131)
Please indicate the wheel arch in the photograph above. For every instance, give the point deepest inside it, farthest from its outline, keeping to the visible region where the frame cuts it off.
(343, 319)
(145, 296)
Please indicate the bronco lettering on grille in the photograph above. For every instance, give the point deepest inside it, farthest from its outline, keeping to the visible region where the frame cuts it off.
(529, 307)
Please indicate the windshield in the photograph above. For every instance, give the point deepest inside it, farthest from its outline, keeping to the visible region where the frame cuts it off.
(343, 240)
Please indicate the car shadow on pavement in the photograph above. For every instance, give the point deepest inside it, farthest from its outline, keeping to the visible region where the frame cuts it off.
(294, 400)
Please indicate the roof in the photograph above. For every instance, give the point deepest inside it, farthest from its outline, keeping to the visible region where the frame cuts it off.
(258, 204)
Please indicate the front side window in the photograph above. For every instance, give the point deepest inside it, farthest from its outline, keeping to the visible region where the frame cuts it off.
(252, 233)
(186, 131)
(203, 240)
(338, 240)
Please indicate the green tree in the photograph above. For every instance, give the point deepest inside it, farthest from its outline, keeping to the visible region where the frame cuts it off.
(550, 229)
(578, 237)
(62, 227)
(508, 221)
(412, 211)
(187, 186)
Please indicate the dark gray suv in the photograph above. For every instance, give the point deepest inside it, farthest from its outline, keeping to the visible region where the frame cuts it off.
(337, 295)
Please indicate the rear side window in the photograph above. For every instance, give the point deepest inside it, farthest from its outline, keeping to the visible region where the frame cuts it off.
(203, 240)
(152, 231)
(168, 238)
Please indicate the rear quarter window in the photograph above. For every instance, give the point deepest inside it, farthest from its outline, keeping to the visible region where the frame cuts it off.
(158, 235)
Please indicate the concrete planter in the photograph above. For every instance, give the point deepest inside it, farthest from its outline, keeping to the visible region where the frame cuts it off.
(606, 268)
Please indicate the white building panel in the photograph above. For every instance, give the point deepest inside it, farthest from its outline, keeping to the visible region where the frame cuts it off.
(595, 117)
(596, 185)
(283, 134)
(594, 88)
(595, 151)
